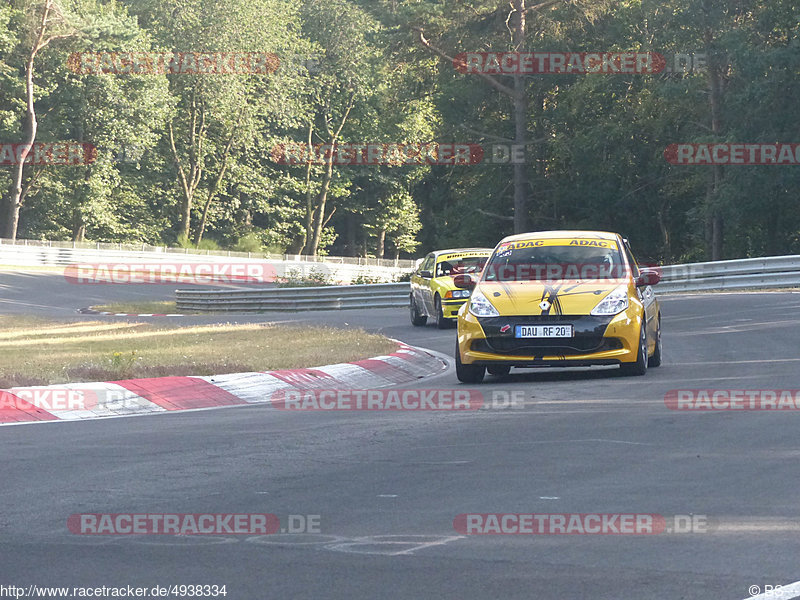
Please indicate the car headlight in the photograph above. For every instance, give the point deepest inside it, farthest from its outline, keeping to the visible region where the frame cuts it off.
(480, 306)
(457, 294)
(614, 303)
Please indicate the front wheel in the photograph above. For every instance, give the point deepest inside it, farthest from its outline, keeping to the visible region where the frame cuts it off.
(468, 373)
(441, 322)
(640, 366)
(499, 370)
(417, 320)
(655, 360)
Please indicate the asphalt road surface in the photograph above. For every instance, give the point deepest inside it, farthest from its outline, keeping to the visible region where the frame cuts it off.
(387, 486)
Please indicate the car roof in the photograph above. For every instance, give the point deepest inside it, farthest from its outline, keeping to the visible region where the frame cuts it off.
(562, 233)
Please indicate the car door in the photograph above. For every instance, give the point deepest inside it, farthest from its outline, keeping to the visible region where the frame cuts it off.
(647, 298)
(421, 284)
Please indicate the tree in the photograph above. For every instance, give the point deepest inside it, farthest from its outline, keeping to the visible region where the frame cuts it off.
(216, 115)
(348, 76)
(517, 21)
(47, 23)
(395, 218)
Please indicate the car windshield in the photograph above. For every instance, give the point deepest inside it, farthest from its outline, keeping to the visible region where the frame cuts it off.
(460, 266)
(526, 261)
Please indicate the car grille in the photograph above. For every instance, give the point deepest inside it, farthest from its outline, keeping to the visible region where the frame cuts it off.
(588, 338)
(546, 347)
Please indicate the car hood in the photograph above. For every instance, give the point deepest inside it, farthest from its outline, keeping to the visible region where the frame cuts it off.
(515, 298)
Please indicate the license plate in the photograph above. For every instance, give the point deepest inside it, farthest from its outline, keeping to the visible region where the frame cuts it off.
(543, 331)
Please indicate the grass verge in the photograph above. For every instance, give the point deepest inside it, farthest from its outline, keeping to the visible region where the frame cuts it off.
(41, 352)
(157, 307)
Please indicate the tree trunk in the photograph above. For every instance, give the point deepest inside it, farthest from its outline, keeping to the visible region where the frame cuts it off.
(78, 229)
(714, 78)
(15, 190)
(520, 126)
(212, 192)
(381, 242)
(319, 218)
(351, 246)
(309, 195)
(665, 236)
(190, 180)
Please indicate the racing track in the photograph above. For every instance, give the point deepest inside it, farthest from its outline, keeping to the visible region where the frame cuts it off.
(586, 441)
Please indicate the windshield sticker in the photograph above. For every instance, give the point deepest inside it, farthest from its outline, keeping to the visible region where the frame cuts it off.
(445, 257)
(522, 244)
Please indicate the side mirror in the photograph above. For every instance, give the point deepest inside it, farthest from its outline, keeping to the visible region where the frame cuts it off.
(465, 281)
(648, 277)
(426, 274)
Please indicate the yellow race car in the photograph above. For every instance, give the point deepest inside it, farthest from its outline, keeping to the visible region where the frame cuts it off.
(433, 293)
(558, 298)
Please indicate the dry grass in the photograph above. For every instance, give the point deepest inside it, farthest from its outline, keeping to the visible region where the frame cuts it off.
(165, 306)
(39, 352)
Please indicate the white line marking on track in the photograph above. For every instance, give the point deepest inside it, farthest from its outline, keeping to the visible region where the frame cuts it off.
(781, 593)
(371, 544)
(429, 544)
(733, 362)
(536, 442)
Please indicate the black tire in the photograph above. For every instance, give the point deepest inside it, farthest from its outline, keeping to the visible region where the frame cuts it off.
(640, 366)
(499, 370)
(655, 360)
(468, 373)
(417, 320)
(441, 322)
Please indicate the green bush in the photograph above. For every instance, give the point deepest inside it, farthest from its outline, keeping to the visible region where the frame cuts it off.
(362, 279)
(205, 244)
(250, 242)
(295, 278)
(122, 363)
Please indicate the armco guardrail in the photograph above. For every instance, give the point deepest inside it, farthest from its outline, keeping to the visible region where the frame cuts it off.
(24, 253)
(760, 273)
(379, 295)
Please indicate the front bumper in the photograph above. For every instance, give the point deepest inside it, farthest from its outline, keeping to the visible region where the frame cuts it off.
(596, 341)
(450, 308)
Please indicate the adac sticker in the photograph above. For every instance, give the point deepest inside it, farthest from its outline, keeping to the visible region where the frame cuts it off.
(597, 243)
(594, 243)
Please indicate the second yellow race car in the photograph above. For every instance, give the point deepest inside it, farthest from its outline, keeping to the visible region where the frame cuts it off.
(559, 298)
(433, 293)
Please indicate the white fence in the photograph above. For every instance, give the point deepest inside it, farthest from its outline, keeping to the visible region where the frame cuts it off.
(339, 269)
